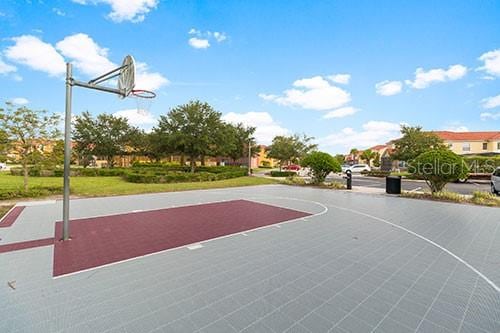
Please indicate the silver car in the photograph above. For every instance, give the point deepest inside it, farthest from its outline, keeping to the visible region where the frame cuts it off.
(495, 181)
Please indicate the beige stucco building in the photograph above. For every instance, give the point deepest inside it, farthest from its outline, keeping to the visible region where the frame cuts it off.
(471, 143)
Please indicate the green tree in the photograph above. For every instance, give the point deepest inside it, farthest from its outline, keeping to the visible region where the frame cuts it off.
(56, 156)
(438, 167)
(368, 155)
(414, 142)
(236, 140)
(106, 136)
(193, 129)
(376, 160)
(4, 145)
(321, 164)
(26, 129)
(155, 145)
(287, 149)
(340, 158)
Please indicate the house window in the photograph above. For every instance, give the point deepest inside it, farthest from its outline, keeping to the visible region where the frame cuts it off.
(498, 145)
(466, 146)
(485, 146)
(450, 145)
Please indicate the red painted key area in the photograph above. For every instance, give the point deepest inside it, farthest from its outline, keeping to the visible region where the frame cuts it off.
(107, 239)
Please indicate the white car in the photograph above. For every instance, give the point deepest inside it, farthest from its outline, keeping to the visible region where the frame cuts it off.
(344, 167)
(3, 166)
(357, 168)
(495, 181)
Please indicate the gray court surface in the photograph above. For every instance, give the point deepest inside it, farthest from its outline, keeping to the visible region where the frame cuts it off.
(361, 263)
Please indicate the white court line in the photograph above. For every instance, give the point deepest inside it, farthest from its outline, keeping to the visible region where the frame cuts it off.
(244, 233)
(484, 277)
(194, 246)
(36, 203)
(5, 215)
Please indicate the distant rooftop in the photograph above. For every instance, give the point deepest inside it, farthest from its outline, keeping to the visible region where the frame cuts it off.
(473, 136)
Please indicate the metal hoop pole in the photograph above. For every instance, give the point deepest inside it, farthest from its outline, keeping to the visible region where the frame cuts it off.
(67, 150)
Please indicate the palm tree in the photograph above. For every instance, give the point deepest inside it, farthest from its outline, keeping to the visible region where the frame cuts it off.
(368, 156)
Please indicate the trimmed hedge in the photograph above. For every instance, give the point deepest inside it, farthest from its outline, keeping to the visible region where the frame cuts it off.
(179, 177)
(75, 172)
(36, 191)
(283, 173)
(376, 173)
(147, 173)
(482, 164)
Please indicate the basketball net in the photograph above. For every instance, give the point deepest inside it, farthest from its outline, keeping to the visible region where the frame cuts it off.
(143, 100)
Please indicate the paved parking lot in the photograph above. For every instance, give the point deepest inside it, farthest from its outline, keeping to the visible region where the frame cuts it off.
(357, 263)
(416, 185)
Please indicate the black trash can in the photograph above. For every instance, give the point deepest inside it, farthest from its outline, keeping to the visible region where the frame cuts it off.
(393, 184)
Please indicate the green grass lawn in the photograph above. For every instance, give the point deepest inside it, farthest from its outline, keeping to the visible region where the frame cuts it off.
(104, 186)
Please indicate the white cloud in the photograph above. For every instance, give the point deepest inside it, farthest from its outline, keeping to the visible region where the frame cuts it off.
(125, 10)
(6, 68)
(58, 11)
(147, 80)
(388, 88)
(456, 127)
(491, 61)
(313, 93)
(266, 127)
(219, 36)
(33, 52)
(340, 113)
(140, 118)
(339, 78)
(19, 101)
(489, 115)
(491, 102)
(372, 133)
(201, 40)
(86, 55)
(199, 43)
(423, 79)
(316, 82)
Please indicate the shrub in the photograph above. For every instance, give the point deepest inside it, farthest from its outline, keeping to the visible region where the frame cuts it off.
(482, 164)
(321, 164)
(35, 191)
(158, 177)
(376, 173)
(438, 167)
(336, 185)
(293, 180)
(276, 173)
(485, 199)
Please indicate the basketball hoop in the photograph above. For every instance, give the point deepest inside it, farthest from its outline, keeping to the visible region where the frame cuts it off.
(126, 84)
(141, 93)
(143, 99)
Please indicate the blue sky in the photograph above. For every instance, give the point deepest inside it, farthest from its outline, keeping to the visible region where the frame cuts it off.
(347, 73)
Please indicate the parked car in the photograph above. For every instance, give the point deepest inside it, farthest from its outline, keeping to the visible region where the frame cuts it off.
(292, 167)
(357, 168)
(3, 166)
(495, 181)
(344, 167)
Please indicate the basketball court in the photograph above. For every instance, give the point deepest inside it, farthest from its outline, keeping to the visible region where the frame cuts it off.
(254, 259)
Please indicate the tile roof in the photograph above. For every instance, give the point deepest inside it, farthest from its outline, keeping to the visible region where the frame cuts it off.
(378, 147)
(473, 136)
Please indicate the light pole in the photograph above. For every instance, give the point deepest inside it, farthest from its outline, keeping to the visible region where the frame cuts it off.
(249, 157)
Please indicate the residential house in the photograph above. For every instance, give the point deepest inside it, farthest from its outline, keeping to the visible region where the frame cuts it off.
(471, 143)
